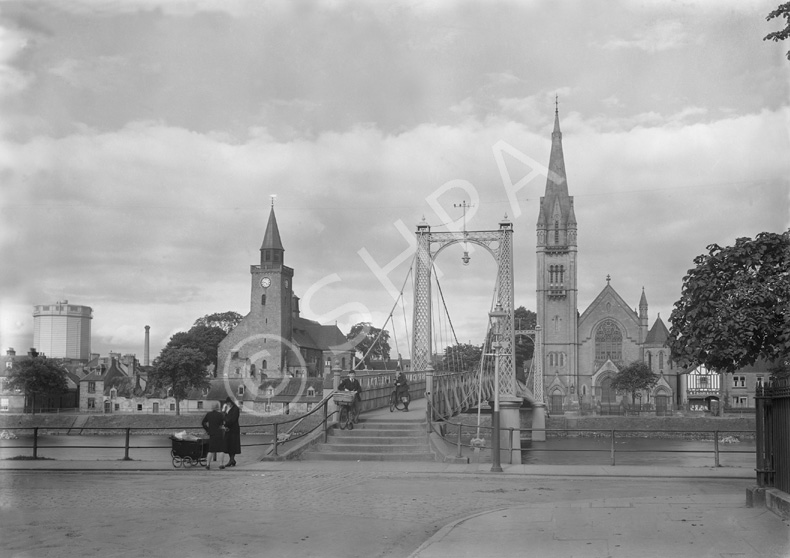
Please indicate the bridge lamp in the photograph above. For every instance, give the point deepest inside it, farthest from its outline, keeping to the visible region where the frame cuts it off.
(497, 318)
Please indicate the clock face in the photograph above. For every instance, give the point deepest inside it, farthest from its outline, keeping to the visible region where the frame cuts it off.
(265, 282)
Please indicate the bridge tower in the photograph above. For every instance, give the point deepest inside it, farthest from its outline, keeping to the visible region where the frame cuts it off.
(499, 244)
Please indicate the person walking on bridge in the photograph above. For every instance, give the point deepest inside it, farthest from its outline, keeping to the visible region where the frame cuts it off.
(350, 383)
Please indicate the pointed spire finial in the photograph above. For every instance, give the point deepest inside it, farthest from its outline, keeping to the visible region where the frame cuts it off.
(608, 278)
(556, 104)
(273, 196)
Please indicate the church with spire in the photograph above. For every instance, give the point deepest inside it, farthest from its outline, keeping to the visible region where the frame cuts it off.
(273, 341)
(582, 352)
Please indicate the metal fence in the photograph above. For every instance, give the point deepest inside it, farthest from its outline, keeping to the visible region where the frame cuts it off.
(773, 434)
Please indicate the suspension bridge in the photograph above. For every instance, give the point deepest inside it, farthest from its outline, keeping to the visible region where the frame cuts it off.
(438, 368)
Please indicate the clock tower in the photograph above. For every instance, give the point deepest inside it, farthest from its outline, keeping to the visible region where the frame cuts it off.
(260, 343)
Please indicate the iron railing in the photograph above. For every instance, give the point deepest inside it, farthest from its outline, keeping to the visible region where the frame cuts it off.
(773, 434)
(480, 440)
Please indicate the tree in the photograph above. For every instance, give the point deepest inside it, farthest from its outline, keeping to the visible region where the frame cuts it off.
(181, 369)
(203, 338)
(634, 378)
(462, 357)
(37, 376)
(226, 321)
(371, 342)
(734, 305)
(782, 11)
(525, 347)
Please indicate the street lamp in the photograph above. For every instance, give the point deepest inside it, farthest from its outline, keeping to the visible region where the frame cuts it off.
(496, 317)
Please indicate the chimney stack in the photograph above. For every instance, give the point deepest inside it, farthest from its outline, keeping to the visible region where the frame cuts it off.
(146, 352)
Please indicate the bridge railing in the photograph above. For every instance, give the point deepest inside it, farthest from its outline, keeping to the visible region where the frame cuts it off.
(456, 392)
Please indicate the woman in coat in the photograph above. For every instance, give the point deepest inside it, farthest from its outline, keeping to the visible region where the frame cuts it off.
(213, 423)
(233, 434)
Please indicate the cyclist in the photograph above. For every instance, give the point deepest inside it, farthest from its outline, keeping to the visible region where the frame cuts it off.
(350, 383)
(402, 389)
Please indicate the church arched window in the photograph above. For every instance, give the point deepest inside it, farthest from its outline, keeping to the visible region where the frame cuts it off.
(556, 232)
(608, 342)
(661, 360)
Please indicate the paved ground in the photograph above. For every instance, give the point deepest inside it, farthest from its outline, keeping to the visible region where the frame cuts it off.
(350, 509)
(335, 509)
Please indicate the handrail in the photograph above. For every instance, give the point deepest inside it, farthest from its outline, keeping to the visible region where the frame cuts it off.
(127, 431)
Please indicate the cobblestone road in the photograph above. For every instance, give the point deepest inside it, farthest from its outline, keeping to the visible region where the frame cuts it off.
(319, 511)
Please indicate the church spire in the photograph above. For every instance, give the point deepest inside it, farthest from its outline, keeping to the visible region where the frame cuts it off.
(272, 248)
(556, 218)
(556, 179)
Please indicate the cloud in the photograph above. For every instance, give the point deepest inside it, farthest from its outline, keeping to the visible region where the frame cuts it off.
(661, 36)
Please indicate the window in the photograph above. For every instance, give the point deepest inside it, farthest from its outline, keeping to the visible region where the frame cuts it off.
(200, 405)
(238, 370)
(608, 342)
(270, 391)
(117, 407)
(264, 365)
(241, 390)
(91, 387)
(556, 232)
(172, 406)
(703, 381)
(113, 393)
(4, 404)
(139, 406)
(170, 392)
(759, 381)
(310, 392)
(286, 409)
(309, 407)
(9, 364)
(263, 300)
(739, 381)
(267, 407)
(661, 360)
(91, 403)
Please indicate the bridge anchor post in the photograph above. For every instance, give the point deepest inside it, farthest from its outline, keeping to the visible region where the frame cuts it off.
(538, 422)
(510, 417)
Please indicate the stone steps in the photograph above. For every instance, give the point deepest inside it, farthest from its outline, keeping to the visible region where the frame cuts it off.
(375, 439)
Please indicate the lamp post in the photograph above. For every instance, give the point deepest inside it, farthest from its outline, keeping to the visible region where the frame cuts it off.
(496, 317)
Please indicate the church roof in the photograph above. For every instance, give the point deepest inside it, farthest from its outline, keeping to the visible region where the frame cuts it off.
(311, 334)
(618, 300)
(658, 334)
(271, 239)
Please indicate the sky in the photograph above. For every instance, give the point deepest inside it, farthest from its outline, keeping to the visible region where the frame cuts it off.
(141, 142)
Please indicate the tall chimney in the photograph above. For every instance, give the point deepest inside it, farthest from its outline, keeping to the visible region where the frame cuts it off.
(146, 350)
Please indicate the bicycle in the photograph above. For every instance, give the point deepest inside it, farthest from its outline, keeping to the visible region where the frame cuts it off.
(349, 412)
(401, 403)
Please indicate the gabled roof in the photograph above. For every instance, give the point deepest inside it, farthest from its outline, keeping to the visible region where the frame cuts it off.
(658, 334)
(222, 388)
(312, 335)
(112, 372)
(290, 389)
(609, 290)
